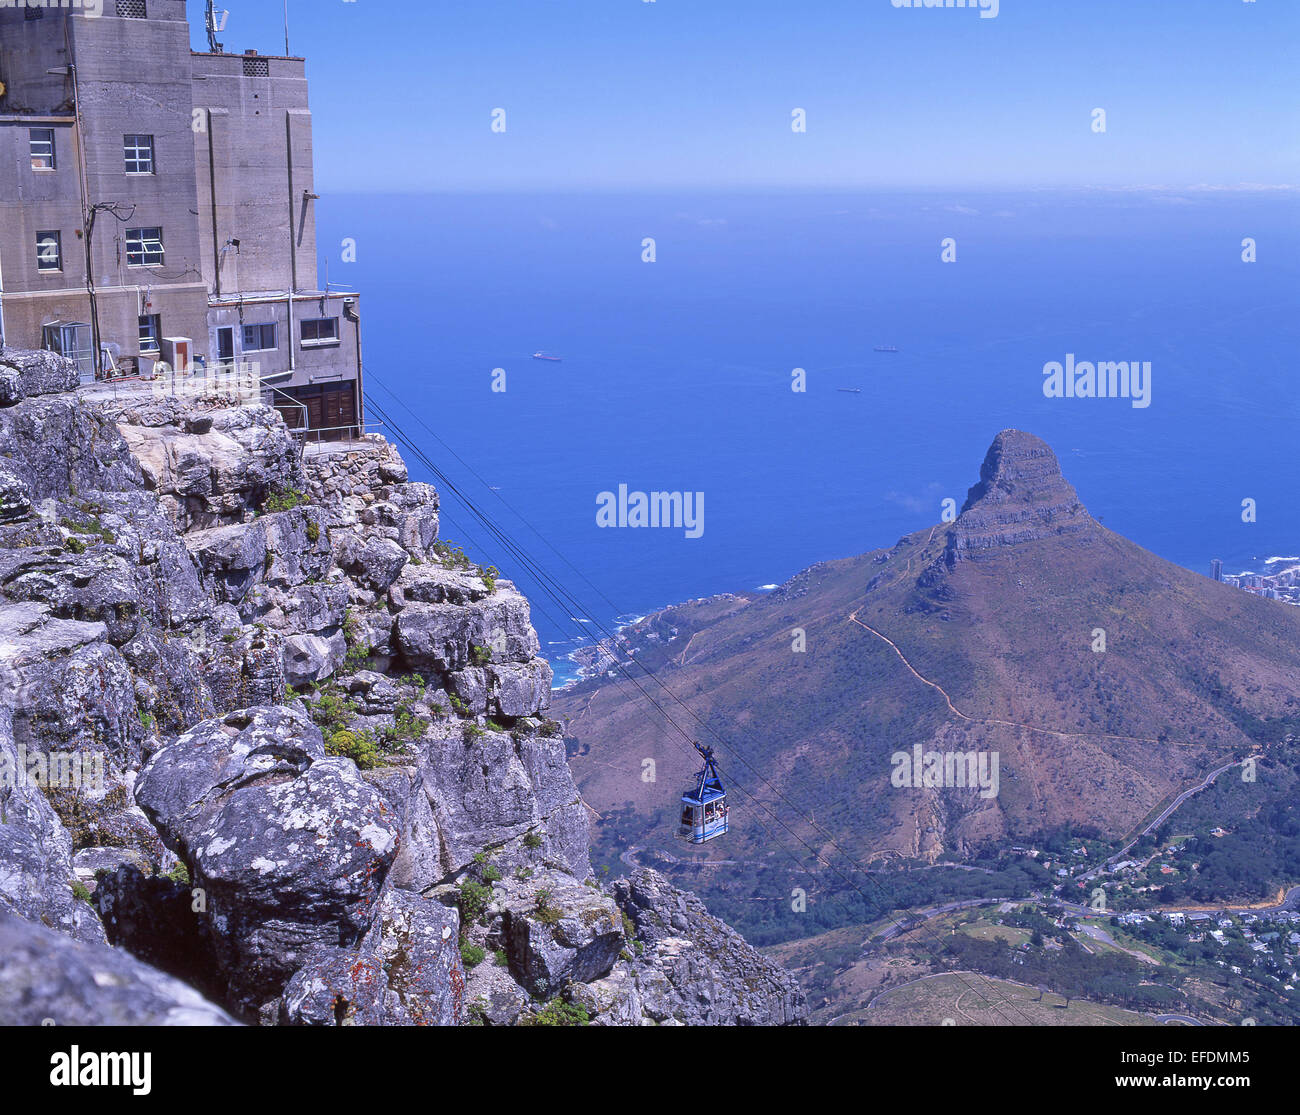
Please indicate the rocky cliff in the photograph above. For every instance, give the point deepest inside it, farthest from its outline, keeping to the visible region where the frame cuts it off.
(271, 741)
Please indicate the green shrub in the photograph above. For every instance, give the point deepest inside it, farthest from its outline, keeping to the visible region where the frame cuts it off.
(533, 840)
(361, 747)
(179, 874)
(545, 912)
(473, 901)
(357, 657)
(332, 712)
(557, 1013)
(282, 499)
(480, 656)
(93, 528)
(354, 634)
(408, 727)
(452, 556)
(472, 955)
(313, 532)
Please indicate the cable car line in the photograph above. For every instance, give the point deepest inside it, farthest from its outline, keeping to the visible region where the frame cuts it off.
(547, 581)
(552, 587)
(415, 450)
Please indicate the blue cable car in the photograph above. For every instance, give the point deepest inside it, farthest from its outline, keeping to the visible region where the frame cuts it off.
(704, 807)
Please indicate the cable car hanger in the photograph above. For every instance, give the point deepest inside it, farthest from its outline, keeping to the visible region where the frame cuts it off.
(705, 813)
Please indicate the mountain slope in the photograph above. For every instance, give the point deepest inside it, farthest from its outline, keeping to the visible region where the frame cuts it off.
(976, 635)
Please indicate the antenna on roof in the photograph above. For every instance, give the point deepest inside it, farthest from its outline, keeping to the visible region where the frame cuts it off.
(286, 29)
(215, 21)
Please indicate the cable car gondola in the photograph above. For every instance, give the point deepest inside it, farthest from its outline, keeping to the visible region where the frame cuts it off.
(704, 806)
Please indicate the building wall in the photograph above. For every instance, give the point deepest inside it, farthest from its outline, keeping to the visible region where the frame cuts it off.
(127, 82)
(254, 164)
(311, 363)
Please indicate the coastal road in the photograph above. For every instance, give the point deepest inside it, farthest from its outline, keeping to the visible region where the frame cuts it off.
(1182, 798)
(1160, 820)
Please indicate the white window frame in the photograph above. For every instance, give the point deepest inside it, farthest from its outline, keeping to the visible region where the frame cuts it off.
(318, 342)
(134, 152)
(148, 249)
(261, 327)
(39, 157)
(42, 259)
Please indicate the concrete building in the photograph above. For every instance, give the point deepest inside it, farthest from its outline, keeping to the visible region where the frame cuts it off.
(182, 183)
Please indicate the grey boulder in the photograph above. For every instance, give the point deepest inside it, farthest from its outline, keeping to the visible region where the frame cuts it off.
(406, 972)
(47, 978)
(290, 848)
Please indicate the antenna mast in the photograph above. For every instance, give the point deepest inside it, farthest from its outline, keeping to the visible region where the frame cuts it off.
(211, 21)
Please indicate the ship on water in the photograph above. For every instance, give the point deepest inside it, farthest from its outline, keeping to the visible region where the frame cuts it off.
(886, 348)
(544, 356)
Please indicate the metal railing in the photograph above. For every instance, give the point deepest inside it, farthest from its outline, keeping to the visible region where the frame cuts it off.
(319, 440)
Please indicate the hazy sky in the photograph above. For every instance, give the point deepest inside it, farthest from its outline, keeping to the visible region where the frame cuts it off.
(699, 93)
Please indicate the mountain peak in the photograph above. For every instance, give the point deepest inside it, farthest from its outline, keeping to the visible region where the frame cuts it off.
(1021, 496)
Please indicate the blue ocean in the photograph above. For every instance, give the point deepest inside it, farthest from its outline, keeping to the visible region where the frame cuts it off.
(676, 375)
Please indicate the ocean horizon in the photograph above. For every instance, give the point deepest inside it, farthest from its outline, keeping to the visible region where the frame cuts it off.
(675, 376)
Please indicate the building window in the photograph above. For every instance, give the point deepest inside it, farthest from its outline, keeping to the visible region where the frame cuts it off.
(132, 9)
(257, 67)
(49, 251)
(150, 331)
(260, 338)
(139, 154)
(42, 147)
(144, 247)
(33, 13)
(320, 331)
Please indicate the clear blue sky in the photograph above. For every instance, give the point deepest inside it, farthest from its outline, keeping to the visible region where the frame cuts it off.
(697, 94)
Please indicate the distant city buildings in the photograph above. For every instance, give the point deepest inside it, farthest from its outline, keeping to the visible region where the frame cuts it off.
(1283, 584)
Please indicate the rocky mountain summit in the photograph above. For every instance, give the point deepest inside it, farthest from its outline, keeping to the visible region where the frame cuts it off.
(1021, 497)
(272, 751)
